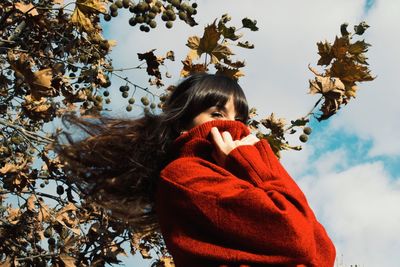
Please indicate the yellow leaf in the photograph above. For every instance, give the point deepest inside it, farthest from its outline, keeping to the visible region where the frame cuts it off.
(9, 168)
(91, 6)
(324, 85)
(67, 260)
(42, 78)
(193, 42)
(210, 39)
(79, 18)
(233, 73)
(26, 8)
(44, 214)
(220, 52)
(189, 68)
(30, 203)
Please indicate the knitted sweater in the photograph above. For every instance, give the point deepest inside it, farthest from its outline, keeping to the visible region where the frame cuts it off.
(249, 213)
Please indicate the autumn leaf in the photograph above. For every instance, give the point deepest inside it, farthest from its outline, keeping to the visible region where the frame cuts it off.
(30, 203)
(26, 8)
(323, 85)
(340, 47)
(276, 125)
(189, 68)
(251, 24)
(220, 52)
(361, 28)
(170, 55)
(91, 6)
(326, 53)
(236, 64)
(79, 18)
(358, 47)
(152, 62)
(67, 260)
(349, 72)
(9, 168)
(233, 73)
(245, 45)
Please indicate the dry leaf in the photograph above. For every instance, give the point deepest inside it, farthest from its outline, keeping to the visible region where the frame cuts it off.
(67, 260)
(30, 203)
(26, 8)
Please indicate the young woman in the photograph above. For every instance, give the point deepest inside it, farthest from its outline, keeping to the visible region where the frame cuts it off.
(218, 193)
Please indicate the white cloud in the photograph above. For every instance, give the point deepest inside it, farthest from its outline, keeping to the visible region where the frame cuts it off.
(359, 208)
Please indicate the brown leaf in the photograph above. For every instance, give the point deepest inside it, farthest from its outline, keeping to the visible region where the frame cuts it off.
(220, 52)
(349, 72)
(30, 203)
(67, 260)
(152, 62)
(276, 125)
(340, 47)
(326, 53)
(91, 6)
(323, 85)
(26, 8)
(210, 39)
(358, 47)
(6, 263)
(170, 55)
(189, 68)
(79, 18)
(9, 168)
(233, 73)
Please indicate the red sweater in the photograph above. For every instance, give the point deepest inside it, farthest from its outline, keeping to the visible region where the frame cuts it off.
(250, 213)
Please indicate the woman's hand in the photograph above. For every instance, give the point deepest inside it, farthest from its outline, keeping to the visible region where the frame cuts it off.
(224, 144)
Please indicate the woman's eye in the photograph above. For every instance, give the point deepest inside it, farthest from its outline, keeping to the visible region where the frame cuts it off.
(216, 114)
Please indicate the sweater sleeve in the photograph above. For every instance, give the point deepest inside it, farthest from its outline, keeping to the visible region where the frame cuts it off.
(252, 210)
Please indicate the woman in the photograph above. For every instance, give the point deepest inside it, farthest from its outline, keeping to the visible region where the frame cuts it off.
(220, 196)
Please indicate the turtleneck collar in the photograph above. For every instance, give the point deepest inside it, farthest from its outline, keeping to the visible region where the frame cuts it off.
(197, 141)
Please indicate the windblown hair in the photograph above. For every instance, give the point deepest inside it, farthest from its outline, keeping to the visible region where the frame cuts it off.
(118, 164)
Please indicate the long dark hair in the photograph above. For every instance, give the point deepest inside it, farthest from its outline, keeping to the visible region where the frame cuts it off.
(118, 164)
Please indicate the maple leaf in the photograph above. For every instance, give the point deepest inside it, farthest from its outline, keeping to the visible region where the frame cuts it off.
(233, 73)
(358, 47)
(189, 68)
(152, 62)
(26, 8)
(276, 125)
(79, 18)
(323, 85)
(350, 72)
(67, 260)
(340, 47)
(251, 24)
(326, 53)
(208, 44)
(245, 45)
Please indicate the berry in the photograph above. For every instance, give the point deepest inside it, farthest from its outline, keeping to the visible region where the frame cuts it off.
(139, 19)
(118, 3)
(42, 185)
(125, 3)
(145, 101)
(155, 9)
(108, 101)
(194, 5)
(151, 15)
(106, 93)
(176, 3)
(131, 100)
(182, 15)
(132, 21)
(303, 138)
(149, 1)
(153, 105)
(153, 24)
(48, 232)
(114, 13)
(125, 94)
(164, 17)
(60, 189)
(129, 108)
(170, 13)
(169, 24)
(132, 9)
(113, 7)
(307, 130)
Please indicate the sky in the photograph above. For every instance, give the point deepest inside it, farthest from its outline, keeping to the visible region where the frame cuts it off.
(349, 169)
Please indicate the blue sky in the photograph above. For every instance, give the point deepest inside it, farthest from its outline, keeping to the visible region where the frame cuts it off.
(349, 169)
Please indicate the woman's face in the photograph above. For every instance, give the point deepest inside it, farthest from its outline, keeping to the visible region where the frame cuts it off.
(216, 113)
